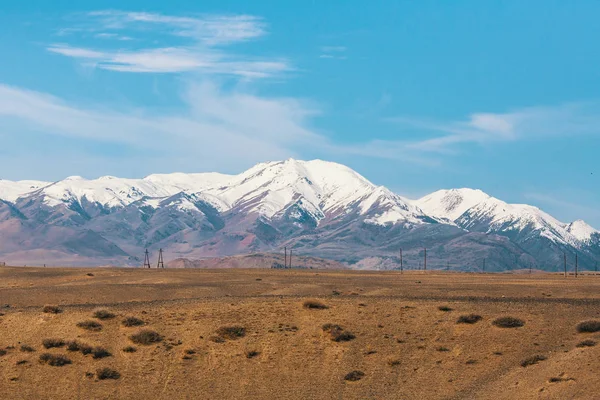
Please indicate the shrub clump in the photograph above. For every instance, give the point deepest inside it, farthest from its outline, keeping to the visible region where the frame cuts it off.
(129, 349)
(54, 360)
(338, 334)
(27, 349)
(52, 310)
(315, 305)
(100, 352)
(508, 322)
(132, 321)
(532, 360)
(107, 373)
(589, 327)
(52, 343)
(231, 332)
(75, 345)
(146, 337)
(445, 308)
(587, 343)
(103, 314)
(252, 354)
(354, 376)
(3, 352)
(90, 325)
(469, 319)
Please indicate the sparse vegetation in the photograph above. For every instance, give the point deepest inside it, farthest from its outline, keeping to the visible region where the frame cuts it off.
(315, 305)
(442, 349)
(508, 322)
(75, 345)
(587, 343)
(354, 376)
(100, 352)
(90, 325)
(103, 314)
(146, 337)
(338, 334)
(52, 343)
(22, 362)
(589, 327)
(252, 354)
(532, 360)
(132, 321)
(54, 360)
(107, 373)
(3, 352)
(231, 332)
(52, 310)
(129, 349)
(445, 308)
(393, 362)
(27, 349)
(216, 339)
(469, 319)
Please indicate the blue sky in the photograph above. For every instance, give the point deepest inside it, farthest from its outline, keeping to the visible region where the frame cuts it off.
(415, 95)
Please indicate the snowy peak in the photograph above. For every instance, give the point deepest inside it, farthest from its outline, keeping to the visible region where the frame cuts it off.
(11, 191)
(451, 204)
(581, 231)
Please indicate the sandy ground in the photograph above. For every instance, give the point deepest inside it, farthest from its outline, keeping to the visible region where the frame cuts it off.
(406, 347)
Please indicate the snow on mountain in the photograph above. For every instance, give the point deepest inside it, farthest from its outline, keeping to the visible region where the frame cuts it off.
(451, 204)
(581, 230)
(11, 191)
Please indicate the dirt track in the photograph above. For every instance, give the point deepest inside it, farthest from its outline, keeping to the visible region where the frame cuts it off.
(406, 347)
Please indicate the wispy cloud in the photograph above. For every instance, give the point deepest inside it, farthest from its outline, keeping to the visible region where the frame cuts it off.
(533, 123)
(333, 52)
(196, 44)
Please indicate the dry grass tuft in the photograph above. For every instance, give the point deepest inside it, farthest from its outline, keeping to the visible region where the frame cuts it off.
(443, 349)
(508, 322)
(393, 362)
(532, 360)
(54, 360)
(90, 325)
(129, 349)
(469, 319)
(100, 352)
(587, 343)
(315, 305)
(354, 376)
(52, 310)
(103, 314)
(107, 373)
(338, 334)
(231, 332)
(132, 321)
(146, 337)
(445, 308)
(252, 354)
(589, 327)
(27, 349)
(53, 343)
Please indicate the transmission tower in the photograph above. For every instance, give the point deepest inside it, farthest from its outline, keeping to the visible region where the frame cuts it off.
(147, 259)
(161, 263)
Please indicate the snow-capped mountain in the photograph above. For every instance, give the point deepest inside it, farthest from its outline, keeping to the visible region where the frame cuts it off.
(317, 207)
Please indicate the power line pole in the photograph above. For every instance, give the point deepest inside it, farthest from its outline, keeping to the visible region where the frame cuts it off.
(285, 257)
(161, 262)
(425, 264)
(147, 259)
(576, 265)
(565, 262)
(484, 265)
(290, 258)
(401, 266)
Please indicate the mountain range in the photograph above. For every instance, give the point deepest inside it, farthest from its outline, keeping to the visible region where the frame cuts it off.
(317, 208)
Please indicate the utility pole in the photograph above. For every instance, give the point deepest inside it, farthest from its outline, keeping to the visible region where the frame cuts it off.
(596, 267)
(448, 266)
(576, 265)
(425, 264)
(565, 262)
(285, 257)
(484, 265)
(161, 262)
(290, 258)
(401, 266)
(147, 259)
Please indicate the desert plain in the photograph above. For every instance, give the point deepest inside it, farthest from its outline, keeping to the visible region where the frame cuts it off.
(295, 334)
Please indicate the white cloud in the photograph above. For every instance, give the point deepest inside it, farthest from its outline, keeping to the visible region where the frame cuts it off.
(333, 52)
(205, 38)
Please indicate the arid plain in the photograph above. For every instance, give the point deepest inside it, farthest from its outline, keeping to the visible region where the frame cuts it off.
(263, 334)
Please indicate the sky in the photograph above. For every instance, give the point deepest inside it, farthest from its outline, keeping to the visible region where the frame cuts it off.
(503, 96)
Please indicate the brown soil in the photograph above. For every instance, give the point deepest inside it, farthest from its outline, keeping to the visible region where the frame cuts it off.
(395, 318)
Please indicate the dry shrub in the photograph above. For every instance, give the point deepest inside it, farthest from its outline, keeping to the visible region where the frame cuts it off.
(216, 339)
(469, 319)
(107, 373)
(589, 327)
(231, 332)
(315, 305)
(103, 314)
(52, 310)
(252, 354)
(394, 362)
(3, 352)
(508, 322)
(443, 349)
(52, 343)
(27, 349)
(146, 337)
(587, 343)
(354, 376)
(338, 334)
(132, 321)
(54, 360)
(90, 325)
(532, 360)
(100, 352)
(445, 308)
(129, 349)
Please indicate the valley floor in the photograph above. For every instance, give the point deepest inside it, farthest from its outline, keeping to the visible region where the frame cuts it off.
(405, 345)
